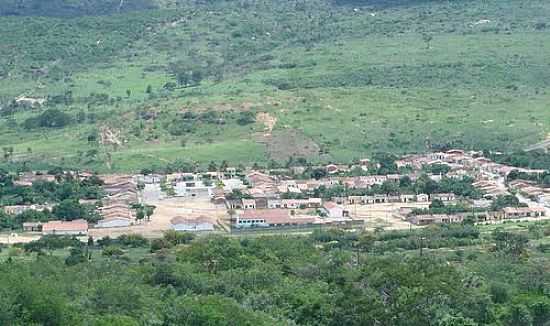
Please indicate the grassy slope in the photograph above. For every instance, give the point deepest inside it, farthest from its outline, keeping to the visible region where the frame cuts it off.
(354, 83)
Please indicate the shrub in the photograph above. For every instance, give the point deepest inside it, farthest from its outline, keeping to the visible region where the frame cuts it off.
(51, 118)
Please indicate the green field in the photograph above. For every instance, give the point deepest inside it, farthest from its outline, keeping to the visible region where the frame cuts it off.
(341, 81)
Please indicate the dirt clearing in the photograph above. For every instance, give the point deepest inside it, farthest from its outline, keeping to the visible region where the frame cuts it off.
(283, 144)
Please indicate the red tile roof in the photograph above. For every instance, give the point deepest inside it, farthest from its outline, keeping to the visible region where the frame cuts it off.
(76, 225)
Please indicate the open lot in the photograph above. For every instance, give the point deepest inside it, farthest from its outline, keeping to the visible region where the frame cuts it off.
(165, 210)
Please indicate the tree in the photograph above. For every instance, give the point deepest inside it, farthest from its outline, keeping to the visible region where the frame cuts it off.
(140, 215)
(128, 93)
(149, 210)
(405, 182)
(318, 173)
(51, 118)
(510, 243)
(69, 209)
(149, 89)
(517, 315)
(505, 201)
(176, 238)
(76, 256)
(437, 203)
(212, 167)
(450, 320)
(169, 86)
(246, 117)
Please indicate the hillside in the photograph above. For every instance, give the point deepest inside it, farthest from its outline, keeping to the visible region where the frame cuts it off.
(149, 83)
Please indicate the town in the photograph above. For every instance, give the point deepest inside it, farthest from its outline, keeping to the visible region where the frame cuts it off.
(435, 188)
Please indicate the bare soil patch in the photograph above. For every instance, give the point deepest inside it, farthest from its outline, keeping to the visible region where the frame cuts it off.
(267, 120)
(286, 143)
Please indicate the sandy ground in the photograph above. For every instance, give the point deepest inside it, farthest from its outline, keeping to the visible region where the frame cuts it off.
(382, 215)
(166, 209)
(10, 238)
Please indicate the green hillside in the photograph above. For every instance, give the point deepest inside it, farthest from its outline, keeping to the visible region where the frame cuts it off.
(152, 83)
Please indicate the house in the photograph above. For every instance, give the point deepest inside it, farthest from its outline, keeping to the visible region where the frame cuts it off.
(295, 203)
(270, 218)
(28, 178)
(354, 200)
(544, 199)
(332, 169)
(234, 203)
(256, 178)
(444, 197)
(364, 162)
(76, 227)
(380, 199)
(405, 198)
(422, 198)
(314, 202)
(249, 203)
(261, 202)
(522, 212)
(194, 189)
(274, 203)
(115, 215)
(232, 184)
(334, 210)
(196, 224)
(393, 199)
(18, 209)
(113, 222)
(435, 219)
(481, 203)
(149, 179)
(455, 152)
(32, 227)
(120, 187)
(122, 197)
(218, 196)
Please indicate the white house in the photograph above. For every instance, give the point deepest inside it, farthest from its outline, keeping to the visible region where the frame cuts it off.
(274, 203)
(422, 198)
(114, 222)
(444, 197)
(191, 224)
(334, 210)
(193, 189)
(249, 203)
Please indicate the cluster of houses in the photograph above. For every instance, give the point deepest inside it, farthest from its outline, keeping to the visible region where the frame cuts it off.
(273, 198)
(506, 213)
(531, 190)
(121, 191)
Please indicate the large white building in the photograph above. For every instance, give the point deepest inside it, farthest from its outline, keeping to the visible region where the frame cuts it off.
(114, 222)
(191, 224)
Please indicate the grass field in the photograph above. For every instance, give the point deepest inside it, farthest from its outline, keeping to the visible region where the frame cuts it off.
(347, 83)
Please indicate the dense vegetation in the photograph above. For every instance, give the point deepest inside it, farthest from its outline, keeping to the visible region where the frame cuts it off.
(452, 275)
(338, 79)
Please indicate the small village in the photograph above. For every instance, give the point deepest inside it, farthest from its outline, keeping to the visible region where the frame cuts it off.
(281, 200)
